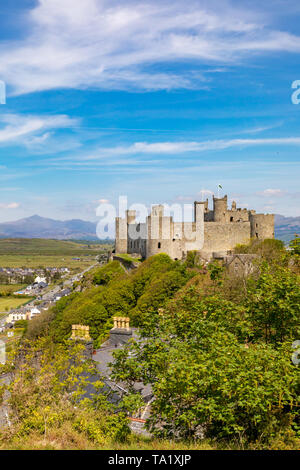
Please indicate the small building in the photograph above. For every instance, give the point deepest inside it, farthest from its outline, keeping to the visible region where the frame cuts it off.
(34, 312)
(39, 279)
(16, 316)
(238, 264)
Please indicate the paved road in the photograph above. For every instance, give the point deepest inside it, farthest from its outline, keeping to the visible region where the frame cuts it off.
(55, 290)
(79, 276)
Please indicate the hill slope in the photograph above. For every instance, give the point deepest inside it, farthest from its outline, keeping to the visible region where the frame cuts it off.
(286, 227)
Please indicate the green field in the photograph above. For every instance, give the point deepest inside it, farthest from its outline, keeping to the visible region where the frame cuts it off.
(40, 261)
(129, 258)
(36, 253)
(39, 246)
(11, 288)
(8, 303)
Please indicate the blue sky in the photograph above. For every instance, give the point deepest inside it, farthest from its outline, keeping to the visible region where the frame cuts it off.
(155, 100)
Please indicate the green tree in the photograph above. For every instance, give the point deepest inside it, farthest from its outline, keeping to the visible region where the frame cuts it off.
(211, 384)
(273, 305)
(49, 391)
(295, 245)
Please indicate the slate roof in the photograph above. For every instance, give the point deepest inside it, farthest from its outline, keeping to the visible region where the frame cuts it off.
(104, 356)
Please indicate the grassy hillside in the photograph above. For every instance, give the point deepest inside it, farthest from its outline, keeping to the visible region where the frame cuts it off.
(112, 291)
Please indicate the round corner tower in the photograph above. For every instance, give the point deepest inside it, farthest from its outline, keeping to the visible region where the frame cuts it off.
(220, 209)
(262, 225)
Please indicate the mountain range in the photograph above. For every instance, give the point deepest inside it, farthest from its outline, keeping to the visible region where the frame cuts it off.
(41, 227)
(286, 227)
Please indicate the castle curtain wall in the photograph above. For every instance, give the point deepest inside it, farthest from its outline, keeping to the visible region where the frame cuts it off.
(223, 237)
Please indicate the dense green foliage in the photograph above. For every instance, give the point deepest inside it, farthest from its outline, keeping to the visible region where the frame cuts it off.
(273, 305)
(269, 249)
(48, 392)
(220, 364)
(216, 347)
(115, 293)
(295, 245)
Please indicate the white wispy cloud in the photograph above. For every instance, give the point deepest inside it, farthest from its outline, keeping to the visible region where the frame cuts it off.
(114, 155)
(10, 205)
(102, 201)
(183, 147)
(272, 193)
(203, 193)
(112, 45)
(15, 128)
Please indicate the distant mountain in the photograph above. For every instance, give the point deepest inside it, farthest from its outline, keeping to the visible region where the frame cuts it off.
(41, 227)
(286, 227)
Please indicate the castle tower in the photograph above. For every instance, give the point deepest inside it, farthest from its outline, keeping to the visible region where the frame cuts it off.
(121, 235)
(157, 211)
(262, 225)
(160, 232)
(130, 215)
(206, 205)
(220, 209)
(199, 209)
(132, 242)
(194, 232)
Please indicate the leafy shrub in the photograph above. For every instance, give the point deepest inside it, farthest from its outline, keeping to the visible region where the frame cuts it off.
(143, 291)
(106, 273)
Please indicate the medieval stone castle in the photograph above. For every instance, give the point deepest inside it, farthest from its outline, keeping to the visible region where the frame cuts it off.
(212, 232)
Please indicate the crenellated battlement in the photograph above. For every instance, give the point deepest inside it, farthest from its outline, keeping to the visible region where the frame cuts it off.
(224, 228)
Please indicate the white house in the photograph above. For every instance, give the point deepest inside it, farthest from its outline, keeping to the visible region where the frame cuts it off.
(39, 279)
(28, 315)
(13, 317)
(33, 312)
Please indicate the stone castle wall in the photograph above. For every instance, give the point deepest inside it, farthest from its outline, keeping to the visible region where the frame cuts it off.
(224, 237)
(223, 230)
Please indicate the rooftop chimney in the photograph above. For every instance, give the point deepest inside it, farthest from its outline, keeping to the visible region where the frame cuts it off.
(81, 333)
(121, 331)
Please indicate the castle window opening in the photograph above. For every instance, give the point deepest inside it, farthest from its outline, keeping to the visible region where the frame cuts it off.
(159, 245)
(231, 219)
